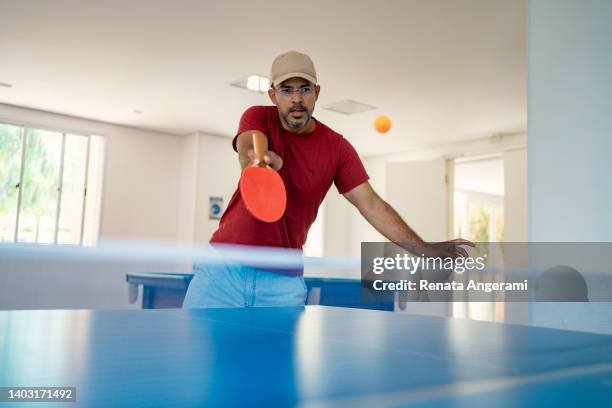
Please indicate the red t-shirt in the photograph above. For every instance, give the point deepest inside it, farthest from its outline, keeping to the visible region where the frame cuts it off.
(311, 163)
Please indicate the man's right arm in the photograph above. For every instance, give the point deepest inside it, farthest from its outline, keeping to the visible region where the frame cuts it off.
(246, 155)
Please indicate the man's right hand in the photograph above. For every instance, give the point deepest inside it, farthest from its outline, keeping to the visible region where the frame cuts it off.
(270, 158)
(246, 155)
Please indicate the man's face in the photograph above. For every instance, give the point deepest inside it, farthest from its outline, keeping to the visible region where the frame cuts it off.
(295, 99)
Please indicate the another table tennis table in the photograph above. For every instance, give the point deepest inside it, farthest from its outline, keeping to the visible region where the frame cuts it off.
(314, 356)
(163, 290)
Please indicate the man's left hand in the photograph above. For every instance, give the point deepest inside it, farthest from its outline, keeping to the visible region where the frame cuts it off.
(448, 249)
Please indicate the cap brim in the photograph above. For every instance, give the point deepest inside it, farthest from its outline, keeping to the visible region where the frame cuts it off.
(285, 77)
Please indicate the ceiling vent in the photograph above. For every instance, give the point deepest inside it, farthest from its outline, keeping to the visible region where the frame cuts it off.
(349, 107)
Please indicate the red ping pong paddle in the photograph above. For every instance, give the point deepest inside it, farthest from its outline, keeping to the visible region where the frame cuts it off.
(261, 187)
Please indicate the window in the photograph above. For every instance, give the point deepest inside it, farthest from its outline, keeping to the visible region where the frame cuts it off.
(479, 199)
(479, 217)
(50, 186)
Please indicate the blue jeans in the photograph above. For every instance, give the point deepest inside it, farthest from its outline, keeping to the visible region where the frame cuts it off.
(234, 285)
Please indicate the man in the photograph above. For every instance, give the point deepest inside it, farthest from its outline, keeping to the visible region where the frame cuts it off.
(309, 156)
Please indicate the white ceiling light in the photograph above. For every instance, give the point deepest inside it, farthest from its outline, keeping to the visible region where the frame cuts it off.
(349, 107)
(264, 84)
(255, 83)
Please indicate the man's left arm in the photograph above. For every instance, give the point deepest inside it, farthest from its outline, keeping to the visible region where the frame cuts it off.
(391, 225)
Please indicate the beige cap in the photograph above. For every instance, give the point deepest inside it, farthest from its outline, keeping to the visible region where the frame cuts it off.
(290, 65)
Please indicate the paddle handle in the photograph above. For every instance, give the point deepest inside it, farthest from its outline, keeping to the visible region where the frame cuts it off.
(260, 143)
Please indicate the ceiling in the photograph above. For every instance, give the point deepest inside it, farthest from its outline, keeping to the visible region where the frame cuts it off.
(442, 70)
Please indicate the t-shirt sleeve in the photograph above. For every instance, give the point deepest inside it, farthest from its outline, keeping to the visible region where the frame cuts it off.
(254, 118)
(350, 171)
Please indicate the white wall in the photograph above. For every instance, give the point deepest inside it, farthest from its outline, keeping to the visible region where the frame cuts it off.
(418, 192)
(337, 227)
(570, 120)
(218, 173)
(188, 187)
(515, 195)
(344, 228)
(570, 143)
(515, 224)
(358, 229)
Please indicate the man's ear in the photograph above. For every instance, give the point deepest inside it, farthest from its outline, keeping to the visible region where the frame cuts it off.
(317, 90)
(272, 95)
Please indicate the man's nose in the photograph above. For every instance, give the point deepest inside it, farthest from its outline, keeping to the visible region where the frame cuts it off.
(296, 97)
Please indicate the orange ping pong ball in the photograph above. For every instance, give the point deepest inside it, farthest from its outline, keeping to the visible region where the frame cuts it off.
(382, 124)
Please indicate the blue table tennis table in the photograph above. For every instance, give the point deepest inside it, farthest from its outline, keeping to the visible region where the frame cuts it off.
(315, 356)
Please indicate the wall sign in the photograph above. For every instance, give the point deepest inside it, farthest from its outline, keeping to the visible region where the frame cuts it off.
(215, 207)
